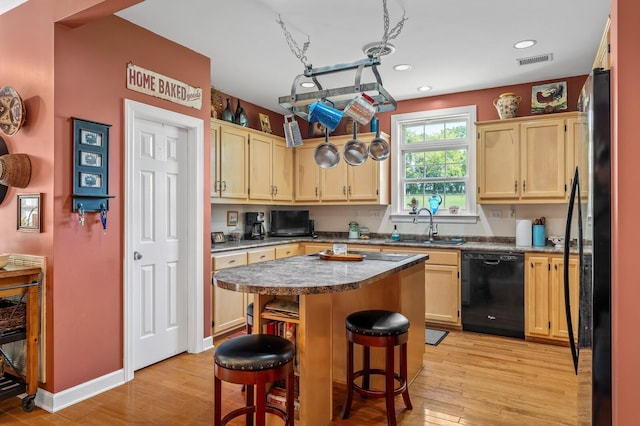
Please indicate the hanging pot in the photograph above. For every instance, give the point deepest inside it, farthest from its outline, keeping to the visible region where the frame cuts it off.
(326, 154)
(355, 151)
(378, 148)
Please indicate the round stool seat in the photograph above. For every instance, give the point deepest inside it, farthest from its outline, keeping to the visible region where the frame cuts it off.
(254, 352)
(377, 322)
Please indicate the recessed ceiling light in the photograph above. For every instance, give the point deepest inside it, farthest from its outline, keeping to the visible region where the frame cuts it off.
(424, 88)
(307, 84)
(523, 44)
(402, 67)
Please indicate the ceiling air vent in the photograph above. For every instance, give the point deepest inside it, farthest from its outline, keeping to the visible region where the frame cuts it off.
(546, 57)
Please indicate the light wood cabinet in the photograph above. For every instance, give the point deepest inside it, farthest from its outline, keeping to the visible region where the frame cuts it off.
(270, 169)
(228, 307)
(525, 160)
(234, 156)
(545, 315)
(367, 183)
(602, 59)
(249, 166)
(287, 250)
(442, 285)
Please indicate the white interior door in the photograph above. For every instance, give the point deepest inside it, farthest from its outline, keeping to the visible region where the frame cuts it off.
(160, 286)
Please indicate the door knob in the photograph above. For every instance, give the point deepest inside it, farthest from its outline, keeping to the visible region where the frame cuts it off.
(137, 255)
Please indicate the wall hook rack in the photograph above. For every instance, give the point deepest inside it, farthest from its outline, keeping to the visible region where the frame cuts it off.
(90, 166)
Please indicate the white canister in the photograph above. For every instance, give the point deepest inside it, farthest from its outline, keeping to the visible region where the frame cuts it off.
(523, 233)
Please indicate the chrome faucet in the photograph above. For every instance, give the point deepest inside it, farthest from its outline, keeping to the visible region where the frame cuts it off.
(432, 231)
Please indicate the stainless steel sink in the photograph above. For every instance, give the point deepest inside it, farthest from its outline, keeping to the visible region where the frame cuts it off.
(444, 242)
(434, 242)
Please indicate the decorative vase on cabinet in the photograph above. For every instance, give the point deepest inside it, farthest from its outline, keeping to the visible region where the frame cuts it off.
(227, 114)
(241, 116)
(507, 105)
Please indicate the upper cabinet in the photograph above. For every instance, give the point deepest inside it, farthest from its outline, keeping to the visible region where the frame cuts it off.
(602, 55)
(364, 184)
(525, 160)
(250, 167)
(229, 161)
(270, 169)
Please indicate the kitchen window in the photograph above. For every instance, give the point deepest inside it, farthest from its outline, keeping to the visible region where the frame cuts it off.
(436, 157)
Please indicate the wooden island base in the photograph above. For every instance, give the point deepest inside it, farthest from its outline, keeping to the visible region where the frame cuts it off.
(321, 336)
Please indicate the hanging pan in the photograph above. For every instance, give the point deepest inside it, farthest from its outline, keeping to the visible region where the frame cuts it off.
(326, 154)
(355, 152)
(378, 148)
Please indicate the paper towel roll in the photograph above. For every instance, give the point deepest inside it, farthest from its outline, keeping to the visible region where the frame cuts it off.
(523, 233)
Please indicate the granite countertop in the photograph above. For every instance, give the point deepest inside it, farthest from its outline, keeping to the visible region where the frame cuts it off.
(308, 274)
(486, 244)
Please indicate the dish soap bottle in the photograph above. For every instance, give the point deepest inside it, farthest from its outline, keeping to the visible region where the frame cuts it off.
(395, 235)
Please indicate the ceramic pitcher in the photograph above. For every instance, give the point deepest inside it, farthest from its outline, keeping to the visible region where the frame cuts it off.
(507, 105)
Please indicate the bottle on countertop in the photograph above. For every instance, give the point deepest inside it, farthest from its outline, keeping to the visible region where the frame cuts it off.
(395, 235)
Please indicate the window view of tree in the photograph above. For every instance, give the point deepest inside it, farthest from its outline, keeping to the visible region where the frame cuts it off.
(435, 162)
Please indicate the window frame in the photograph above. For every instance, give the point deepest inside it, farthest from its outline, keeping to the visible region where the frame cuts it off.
(468, 215)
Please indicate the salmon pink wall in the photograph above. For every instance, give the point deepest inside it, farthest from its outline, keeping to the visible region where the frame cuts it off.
(90, 83)
(625, 63)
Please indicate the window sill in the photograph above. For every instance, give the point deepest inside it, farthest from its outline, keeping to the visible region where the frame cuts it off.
(438, 218)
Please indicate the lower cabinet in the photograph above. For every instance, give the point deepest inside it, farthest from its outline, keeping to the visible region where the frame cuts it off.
(442, 285)
(545, 314)
(229, 308)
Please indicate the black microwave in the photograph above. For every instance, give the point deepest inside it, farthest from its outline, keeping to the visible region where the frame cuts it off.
(289, 223)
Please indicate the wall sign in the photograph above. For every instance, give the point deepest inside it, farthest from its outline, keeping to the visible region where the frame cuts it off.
(154, 84)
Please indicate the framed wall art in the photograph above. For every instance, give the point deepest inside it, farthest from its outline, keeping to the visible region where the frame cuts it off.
(232, 218)
(29, 216)
(265, 124)
(90, 166)
(548, 98)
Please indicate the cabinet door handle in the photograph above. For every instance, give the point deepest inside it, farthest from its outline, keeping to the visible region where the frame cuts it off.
(491, 317)
(349, 189)
(316, 191)
(275, 190)
(524, 186)
(344, 190)
(515, 187)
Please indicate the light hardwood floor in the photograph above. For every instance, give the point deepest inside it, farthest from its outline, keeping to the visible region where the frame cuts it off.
(469, 379)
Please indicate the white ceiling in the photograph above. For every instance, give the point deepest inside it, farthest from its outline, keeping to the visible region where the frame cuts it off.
(453, 45)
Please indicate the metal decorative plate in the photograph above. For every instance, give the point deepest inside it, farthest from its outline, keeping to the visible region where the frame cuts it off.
(12, 111)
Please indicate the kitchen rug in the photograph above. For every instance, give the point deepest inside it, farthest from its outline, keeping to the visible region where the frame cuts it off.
(434, 337)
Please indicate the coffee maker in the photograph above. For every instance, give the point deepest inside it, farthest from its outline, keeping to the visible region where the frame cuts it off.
(254, 225)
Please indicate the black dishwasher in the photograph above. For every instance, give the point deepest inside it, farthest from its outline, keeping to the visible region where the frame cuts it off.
(493, 293)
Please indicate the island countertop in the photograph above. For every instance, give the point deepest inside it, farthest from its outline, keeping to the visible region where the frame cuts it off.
(308, 274)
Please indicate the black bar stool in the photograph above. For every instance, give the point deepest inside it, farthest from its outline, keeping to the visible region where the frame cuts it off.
(255, 359)
(378, 328)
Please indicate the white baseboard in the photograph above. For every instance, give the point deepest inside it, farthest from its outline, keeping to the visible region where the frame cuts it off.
(207, 343)
(54, 402)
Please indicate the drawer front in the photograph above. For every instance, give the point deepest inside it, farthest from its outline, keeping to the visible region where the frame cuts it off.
(229, 260)
(261, 255)
(287, 250)
(444, 257)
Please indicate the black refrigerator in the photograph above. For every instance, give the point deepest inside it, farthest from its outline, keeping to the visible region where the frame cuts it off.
(589, 206)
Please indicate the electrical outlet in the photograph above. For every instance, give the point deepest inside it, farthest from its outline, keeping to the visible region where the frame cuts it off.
(512, 213)
(495, 214)
(374, 213)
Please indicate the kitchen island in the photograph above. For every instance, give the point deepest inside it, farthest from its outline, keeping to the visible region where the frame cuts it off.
(326, 292)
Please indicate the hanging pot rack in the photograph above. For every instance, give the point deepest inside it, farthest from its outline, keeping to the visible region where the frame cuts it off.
(297, 103)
